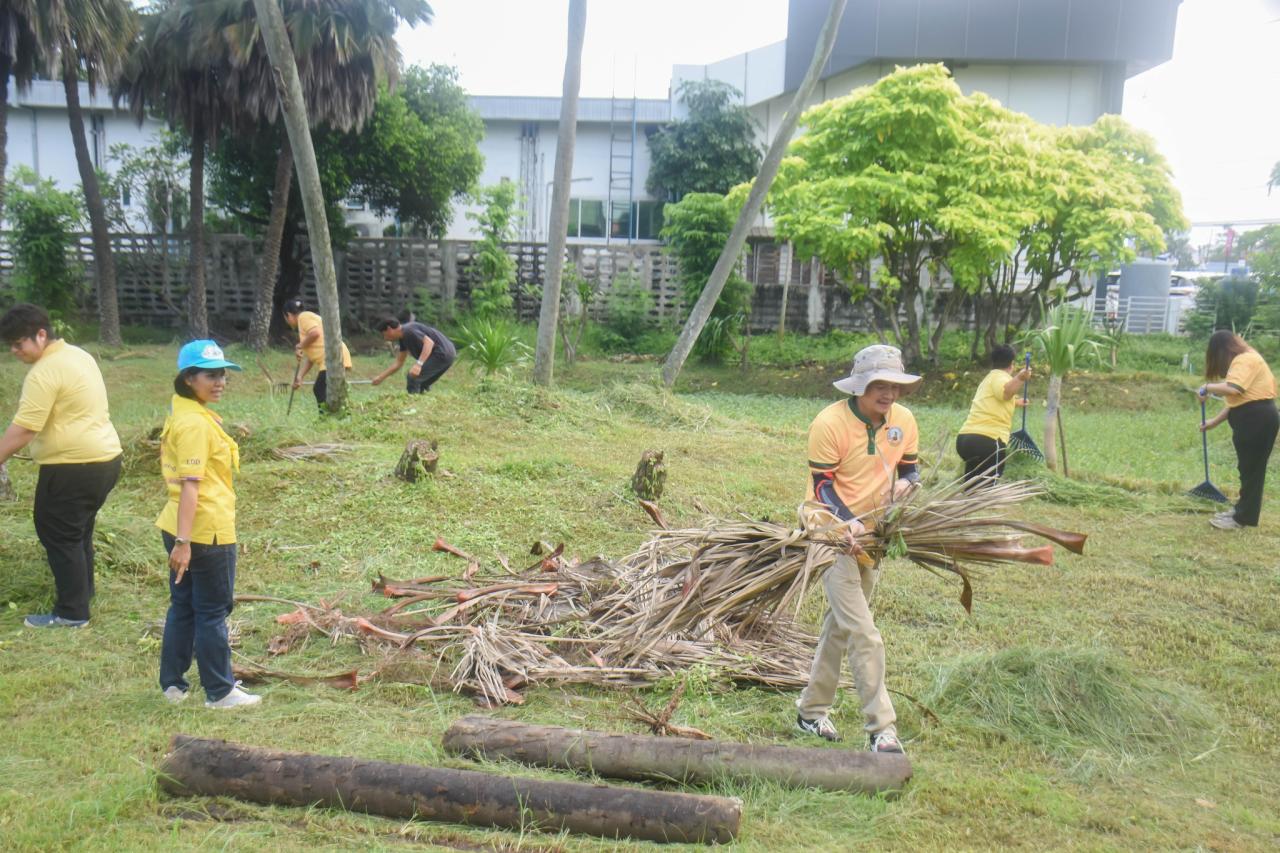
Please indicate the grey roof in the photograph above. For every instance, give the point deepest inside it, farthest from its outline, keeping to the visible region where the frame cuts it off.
(513, 108)
(1135, 34)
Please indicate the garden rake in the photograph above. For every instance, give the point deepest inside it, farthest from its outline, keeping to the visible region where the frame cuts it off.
(1206, 490)
(1021, 441)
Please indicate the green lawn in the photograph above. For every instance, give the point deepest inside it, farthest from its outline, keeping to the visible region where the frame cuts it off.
(1127, 699)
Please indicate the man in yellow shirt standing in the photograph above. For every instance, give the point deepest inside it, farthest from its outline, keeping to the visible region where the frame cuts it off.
(862, 458)
(984, 439)
(62, 414)
(311, 347)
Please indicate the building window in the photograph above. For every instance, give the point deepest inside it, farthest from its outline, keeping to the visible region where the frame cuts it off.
(586, 217)
(620, 221)
(648, 220)
(98, 139)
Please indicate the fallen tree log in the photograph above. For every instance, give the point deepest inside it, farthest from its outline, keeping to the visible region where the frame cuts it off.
(218, 768)
(638, 757)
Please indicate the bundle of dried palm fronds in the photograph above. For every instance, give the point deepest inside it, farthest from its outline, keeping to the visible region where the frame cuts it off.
(724, 596)
(313, 452)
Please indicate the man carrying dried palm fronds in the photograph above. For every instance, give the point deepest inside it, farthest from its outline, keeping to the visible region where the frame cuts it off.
(862, 457)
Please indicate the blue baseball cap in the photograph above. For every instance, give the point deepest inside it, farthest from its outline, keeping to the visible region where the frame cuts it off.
(204, 354)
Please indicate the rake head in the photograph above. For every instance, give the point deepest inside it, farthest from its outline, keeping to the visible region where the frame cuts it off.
(1021, 442)
(1209, 492)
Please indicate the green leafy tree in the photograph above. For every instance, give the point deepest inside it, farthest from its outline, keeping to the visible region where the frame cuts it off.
(914, 174)
(154, 176)
(1177, 245)
(696, 228)
(420, 150)
(711, 150)
(495, 220)
(1261, 248)
(45, 220)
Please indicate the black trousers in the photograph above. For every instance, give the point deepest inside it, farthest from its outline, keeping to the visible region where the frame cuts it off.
(1253, 432)
(432, 370)
(983, 457)
(321, 389)
(67, 501)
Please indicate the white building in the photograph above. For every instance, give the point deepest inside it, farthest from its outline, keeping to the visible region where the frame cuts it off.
(1059, 61)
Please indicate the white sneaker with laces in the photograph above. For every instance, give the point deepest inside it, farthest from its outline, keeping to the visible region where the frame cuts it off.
(237, 698)
(822, 727)
(886, 741)
(1226, 522)
(175, 694)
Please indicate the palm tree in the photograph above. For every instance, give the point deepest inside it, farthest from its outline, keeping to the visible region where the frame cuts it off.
(92, 37)
(755, 199)
(545, 358)
(168, 72)
(24, 53)
(344, 51)
(1064, 342)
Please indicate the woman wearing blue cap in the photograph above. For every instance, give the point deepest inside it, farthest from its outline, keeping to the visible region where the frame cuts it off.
(198, 525)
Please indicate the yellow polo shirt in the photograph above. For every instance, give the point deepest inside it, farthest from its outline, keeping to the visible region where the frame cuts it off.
(1250, 375)
(64, 402)
(991, 414)
(864, 458)
(314, 351)
(193, 446)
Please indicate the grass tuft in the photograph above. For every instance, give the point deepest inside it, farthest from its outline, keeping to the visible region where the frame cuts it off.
(1077, 704)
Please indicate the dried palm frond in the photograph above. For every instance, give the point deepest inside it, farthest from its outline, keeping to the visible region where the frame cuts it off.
(725, 596)
(311, 452)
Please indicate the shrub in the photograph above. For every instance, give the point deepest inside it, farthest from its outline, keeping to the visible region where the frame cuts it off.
(629, 309)
(494, 345)
(45, 220)
(1227, 303)
(497, 271)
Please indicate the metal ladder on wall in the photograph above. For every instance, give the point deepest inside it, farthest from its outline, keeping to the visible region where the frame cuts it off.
(622, 168)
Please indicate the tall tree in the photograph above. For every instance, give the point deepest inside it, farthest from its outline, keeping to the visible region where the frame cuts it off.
(343, 50)
(544, 363)
(711, 150)
(755, 199)
(94, 38)
(171, 71)
(26, 50)
(292, 102)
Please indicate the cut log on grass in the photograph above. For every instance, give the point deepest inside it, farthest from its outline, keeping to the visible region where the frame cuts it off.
(198, 766)
(650, 477)
(645, 757)
(419, 459)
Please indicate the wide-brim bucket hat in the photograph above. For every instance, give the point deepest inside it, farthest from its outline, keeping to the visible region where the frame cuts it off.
(877, 363)
(205, 355)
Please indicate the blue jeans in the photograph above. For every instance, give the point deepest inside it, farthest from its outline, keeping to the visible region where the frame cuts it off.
(197, 620)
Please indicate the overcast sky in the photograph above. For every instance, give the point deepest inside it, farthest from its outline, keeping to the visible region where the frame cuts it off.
(1214, 108)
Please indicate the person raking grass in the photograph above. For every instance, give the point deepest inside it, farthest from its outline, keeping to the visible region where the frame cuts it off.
(983, 440)
(862, 457)
(310, 348)
(1249, 388)
(432, 352)
(198, 527)
(63, 416)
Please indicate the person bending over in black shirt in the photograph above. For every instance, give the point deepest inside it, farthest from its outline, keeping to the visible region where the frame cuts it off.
(432, 353)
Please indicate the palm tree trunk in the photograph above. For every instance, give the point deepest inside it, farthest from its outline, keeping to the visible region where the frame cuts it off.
(755, 200)
(197, 309)
(1051, 422)
(6, 66)
(276, 39)
(269, 264)
(103, 261)
(544, 361)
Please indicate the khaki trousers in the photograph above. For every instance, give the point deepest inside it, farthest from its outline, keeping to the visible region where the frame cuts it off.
(849, 631)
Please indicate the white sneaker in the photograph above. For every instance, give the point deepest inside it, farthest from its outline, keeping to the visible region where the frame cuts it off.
(175, 694)
(1226, 522)
(235, 699)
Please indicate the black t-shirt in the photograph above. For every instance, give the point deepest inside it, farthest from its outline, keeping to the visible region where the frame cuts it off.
(414, 335)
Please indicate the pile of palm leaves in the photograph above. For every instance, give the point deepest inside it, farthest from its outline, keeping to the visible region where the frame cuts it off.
(725, 596)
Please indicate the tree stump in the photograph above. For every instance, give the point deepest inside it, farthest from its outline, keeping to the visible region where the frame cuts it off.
(419, 459)
(650, 477)
(7, 492)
